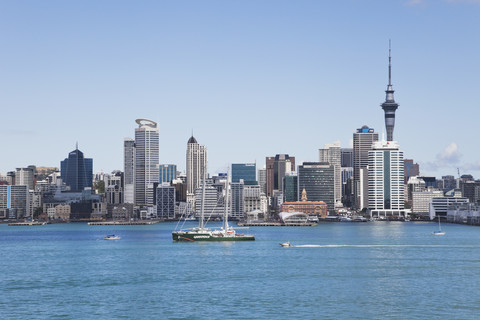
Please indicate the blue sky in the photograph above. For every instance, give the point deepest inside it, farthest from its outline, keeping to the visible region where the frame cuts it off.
(250, 78)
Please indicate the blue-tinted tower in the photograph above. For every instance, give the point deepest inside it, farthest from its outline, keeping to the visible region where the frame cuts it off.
(77, 171)
(245, 171)
(167, 173)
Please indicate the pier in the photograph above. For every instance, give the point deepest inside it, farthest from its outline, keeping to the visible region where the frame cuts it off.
(121, 223)
(275, 224)
(36, 223)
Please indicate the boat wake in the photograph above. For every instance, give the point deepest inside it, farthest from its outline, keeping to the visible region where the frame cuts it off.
(376, 246)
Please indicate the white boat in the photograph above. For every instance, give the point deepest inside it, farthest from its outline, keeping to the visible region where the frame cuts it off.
(439, 232)
(286, 244)
(112, 237)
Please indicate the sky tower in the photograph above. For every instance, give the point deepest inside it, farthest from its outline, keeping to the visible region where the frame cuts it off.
(389, 106)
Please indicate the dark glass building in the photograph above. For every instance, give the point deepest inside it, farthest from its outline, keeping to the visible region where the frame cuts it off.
(245, 171)
(290, 188)
(317, 178)
(77, 171)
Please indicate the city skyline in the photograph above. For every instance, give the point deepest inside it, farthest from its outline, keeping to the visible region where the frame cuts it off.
(282, 72)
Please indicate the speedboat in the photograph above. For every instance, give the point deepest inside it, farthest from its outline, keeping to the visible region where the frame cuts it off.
(286, 244)
(111, 237)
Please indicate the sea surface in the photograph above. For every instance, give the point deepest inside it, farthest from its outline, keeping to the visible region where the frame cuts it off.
(375, 270)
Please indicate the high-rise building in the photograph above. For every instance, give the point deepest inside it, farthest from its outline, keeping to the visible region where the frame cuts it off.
(385, 180)
(410, 169)
(245, 172)
(129, 170)
(25, 177)
(167, 172)
(237, 207)
(196, 167)
(277, 167)
(290, 187)
(165, 201)
(318, 178)
(262, 180)
(389, 106)
(363, 140)
(347, 158)
(13, 201)
(77, 171)
(214, 202)
(146, 160)
(332, 154)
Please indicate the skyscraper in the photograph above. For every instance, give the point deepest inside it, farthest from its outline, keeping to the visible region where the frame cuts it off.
(196, 167)
(277, 168)
(332, 154)
(146, 160)
(77, 171)
(165, 201)
(410, 169)
(129, 170)
(385, 180)
(389, 106)
(347, 158)
(317, 178)
(245, 171)
(168, 172)
(363, 140)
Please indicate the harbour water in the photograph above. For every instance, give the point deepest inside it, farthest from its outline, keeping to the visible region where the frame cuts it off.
(372, 270)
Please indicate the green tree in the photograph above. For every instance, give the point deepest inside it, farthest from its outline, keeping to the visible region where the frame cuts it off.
(100, 186)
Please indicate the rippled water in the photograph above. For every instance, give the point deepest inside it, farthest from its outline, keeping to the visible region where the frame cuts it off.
(336, 271)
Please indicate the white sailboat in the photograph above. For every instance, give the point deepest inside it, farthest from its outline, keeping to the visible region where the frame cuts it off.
(439, 232)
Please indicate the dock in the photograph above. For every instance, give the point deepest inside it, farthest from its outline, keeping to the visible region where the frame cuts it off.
(275, 224)
(36, 223)
(121, 223)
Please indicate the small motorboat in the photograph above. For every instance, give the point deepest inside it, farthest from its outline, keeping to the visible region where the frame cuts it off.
(111, 237)
(286, 244)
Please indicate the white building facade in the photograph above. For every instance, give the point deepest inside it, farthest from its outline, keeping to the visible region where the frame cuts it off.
(385, 180)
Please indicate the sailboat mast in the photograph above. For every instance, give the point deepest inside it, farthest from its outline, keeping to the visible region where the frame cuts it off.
(203, 197)
(227, 202)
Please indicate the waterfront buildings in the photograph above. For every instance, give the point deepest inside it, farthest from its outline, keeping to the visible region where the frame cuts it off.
(385, 180)
(317, 178)
(389, 106)
(440, 205)
(245, 172)
(146, 161)
(318, 208)
(13, 201)
(129, 170)
(363, 140)
(421, 201)
(196, 167)
(332, 154)
(167, 173)
(77, 171)
(262, 180)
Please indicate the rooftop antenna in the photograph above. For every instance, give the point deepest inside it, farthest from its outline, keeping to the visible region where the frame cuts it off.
(76, 146)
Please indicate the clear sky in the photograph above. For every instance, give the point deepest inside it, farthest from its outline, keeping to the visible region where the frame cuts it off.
(250, 78)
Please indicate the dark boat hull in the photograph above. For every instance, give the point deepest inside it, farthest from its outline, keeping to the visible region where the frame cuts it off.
(197, 236)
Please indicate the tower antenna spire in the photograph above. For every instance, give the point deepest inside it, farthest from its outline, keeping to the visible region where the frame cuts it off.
(389, 62)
